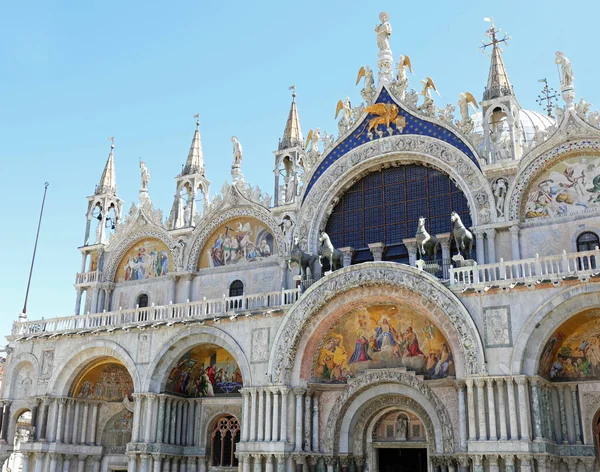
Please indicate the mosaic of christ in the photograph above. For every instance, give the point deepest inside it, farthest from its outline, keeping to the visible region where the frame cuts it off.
(383, 336)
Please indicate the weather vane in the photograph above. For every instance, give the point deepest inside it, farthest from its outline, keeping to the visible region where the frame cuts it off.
(197, 116)
(112, 141)
(546, 97)
(493, 33)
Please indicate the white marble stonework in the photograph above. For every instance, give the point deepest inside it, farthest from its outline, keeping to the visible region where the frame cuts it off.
(217, 340)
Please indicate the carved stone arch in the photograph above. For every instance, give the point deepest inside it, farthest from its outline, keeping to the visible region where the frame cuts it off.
(184, 340)
(209, 225)
(579, 231)
(386, 152)
(331, 292)
(15, 367)
(540, 325)
(116, 253)
(380, 406)
(574, 136)
(82, 354)
(210, 415)
(379, 383)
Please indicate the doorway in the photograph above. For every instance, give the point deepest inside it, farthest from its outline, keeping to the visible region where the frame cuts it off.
(402, 459)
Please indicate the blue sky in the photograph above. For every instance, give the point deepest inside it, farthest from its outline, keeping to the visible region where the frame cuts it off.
(75, 73)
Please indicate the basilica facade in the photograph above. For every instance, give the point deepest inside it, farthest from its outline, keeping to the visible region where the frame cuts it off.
(421, 293)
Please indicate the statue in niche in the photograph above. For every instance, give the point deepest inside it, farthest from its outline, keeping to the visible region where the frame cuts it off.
(401, 428)
(499, 188)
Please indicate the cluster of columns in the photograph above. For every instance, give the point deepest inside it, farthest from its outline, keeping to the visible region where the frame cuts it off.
(153, 462)
(65, 420)
(265, 414)
(166, 419)
(497, 409)
(34, 462)
(101, 295)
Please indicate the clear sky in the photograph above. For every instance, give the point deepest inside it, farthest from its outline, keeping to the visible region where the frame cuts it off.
(75, 73)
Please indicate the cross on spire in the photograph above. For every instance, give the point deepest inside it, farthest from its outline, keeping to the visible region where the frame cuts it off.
(546, 97)
(498, 84)
(493, 33)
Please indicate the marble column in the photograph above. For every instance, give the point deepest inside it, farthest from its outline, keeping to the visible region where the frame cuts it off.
(184, 421)
(463, 464)
(137, 409)
(512, 409)
(269, 463)
(462, 416)
(173, 424)
(477, 463)
(307, 420)
(348, 253)
(268, 414)
(283, 433)
(377, 250)
(445, 242)
(144, 459)
(148, 419)
(411, 246)
(68, 421)
(509, 463)
(257, 462)
(549, 412)
(157, 462)
(44, 420)
(536, 409)
(167, 423)
(471, 410)
(315, 422)
(525, 460)
(299, 393)
(246, 415)
(523, 408)
(84, 423)
(280, 462)
(261, 415)
(81, 464)
(483, 432)
(191, 422)
(514, 243)
(330, 462)
(253, 412)
(94, 422)
(299, 460)
(501, 409)
(491, 409)
(479, 248)
(493, 463)
(491, 245)
(275, 436)
(191, 464)
(53, 461)
(67, 463)
(166, 466)
(576, 418)
(5, 421)
(39, 461)
(78, 301)
(25, 462)
(60, 421)
(563, 414)
(161, 419)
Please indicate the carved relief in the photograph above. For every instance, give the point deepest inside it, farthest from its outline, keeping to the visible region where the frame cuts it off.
(47, 362)
(497, 327)
(260, 345)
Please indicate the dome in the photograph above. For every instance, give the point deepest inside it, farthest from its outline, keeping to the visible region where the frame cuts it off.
(530, 121)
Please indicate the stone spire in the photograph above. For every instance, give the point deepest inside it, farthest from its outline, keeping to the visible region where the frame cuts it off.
(195, 160)
(292, 135)
(498, 84)
(108, 181)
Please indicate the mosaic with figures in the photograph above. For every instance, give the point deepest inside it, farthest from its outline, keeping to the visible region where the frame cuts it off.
(572, 186)
(106, 381)
(383, 336)
(238, 240)
(205, 371)
(148, 258)
(573, 350)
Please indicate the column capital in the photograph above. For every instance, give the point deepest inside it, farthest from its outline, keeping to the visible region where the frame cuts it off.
(54, 456)
(463, 461)
(521, 381)
(83, 457)
(514, 230)
(280, 457)
(269, 458)
(330, 460)
(299, 458)
(524, 458)
(469, 383)
(257, 456)
(480, 383)
(478, 233)
(509, 459)
(313, 459)
(500, 381)
(346, 459)
(492, 459)
(490, 232)
(359, 460)
(573, 387)
(377, 250)
(477, 460)
(460, 385)
(298, 391)
(158, 457)
(490, 382)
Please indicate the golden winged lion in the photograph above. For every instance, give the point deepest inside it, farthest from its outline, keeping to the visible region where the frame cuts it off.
(387, 114)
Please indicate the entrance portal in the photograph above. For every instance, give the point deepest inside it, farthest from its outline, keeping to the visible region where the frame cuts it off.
(402, 459)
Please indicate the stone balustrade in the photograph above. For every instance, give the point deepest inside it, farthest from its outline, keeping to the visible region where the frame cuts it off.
(156, 315)
(88, 277)
(527, 271)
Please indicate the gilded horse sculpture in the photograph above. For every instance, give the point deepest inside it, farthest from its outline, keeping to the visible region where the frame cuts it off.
(303, 260)
(463, 238)
(426, 244)
(327, 251)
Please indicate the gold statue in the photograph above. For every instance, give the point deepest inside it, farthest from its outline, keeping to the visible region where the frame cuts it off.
(387, 114)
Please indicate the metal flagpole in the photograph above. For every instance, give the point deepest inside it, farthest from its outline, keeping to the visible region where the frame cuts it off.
(23, 315)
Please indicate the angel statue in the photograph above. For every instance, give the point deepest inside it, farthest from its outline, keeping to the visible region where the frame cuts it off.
(369, 90)
(401, 83)
(237, 152)
(384, 30)
(466, 122)
(428, 105)
(313, 139)
(346, 119)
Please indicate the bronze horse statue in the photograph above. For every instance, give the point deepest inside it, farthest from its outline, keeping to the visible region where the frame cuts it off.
(304, 260)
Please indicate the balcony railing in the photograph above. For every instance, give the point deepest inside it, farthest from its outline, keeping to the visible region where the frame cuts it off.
(537, 269)
(157, 315)
(87, 277)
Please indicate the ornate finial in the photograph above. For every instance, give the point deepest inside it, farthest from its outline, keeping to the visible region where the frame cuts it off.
(112, 142)
(293, 89)
(546, 97)
(492, 33)
(197, 116)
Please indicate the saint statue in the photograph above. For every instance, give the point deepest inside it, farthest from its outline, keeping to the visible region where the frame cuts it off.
(237, 152)
(384, 30)
(402, 429)
(566, 71)
(145, 175)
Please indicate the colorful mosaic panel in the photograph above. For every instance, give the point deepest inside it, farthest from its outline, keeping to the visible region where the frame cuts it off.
(107, 381)
(573, 350)
(146, 259)
(381, 336)
(205, 371)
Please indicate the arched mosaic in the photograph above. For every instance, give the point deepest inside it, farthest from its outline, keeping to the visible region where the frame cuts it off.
(104, 380)
(238, 240)
(205, 370)
(383, 336)
(147, 258)
(573, 350)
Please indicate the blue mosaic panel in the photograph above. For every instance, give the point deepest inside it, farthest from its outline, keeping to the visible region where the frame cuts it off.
(414, 125)
(385, 207)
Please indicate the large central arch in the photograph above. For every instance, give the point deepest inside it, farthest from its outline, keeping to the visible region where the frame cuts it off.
(345, 286)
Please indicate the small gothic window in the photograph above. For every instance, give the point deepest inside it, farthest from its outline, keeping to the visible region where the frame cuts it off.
(225, 436)
(236, 289)
(587, 241)
(142, 301)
